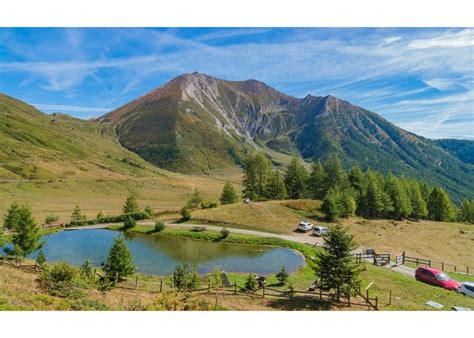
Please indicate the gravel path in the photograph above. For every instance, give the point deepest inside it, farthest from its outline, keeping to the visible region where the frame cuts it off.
(305, 238)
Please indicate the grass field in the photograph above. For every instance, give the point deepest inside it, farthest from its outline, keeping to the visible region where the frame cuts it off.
(439, 241)
(271, 216)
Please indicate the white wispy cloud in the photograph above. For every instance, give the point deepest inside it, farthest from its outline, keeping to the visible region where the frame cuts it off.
(66, 108)
(463, 38)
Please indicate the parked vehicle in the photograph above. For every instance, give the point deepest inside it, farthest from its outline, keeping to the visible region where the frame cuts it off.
(436, 277)
(320, 231)
(304, 226)
(467, 289)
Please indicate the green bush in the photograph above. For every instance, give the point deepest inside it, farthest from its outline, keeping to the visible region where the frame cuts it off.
(208, 205)
(50, 219)
(185, 214)
(129, 223)
(159, 226)
(225, 233)
(282, 276)
(250, 282)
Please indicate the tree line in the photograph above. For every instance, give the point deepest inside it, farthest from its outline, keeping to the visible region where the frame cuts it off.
(344, 192)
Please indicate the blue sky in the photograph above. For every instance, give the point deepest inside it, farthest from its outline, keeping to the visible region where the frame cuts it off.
(420, 79)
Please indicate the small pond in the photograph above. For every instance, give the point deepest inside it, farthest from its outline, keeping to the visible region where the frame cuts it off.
(159, 255)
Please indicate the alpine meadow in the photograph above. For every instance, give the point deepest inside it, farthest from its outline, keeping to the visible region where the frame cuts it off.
(297, 169)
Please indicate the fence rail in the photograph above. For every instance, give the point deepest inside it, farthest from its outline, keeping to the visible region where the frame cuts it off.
(443, 266)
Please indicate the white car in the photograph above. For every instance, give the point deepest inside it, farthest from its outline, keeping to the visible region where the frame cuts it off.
(320, 231)
(467, 289)
(304, 226)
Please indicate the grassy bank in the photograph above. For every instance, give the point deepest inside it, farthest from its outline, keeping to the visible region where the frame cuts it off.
(407, 293)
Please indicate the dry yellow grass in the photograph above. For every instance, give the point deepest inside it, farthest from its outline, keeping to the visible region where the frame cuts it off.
(59, 197)
(439, 241)
(271, 216)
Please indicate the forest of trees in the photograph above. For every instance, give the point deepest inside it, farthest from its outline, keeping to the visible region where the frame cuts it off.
(347, 192)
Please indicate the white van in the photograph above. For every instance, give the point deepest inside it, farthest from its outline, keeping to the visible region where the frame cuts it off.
(320, 231)
(304, 226)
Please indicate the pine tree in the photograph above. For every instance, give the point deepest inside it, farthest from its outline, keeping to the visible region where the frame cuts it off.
(335, 266)
(185, 214)
(399, 197)
(228, 196)
(26, 240)
(131, 205)
(40, 259)
(250, 179)
(282, 276)
(439, 205)
(373, 203)
(466, 212)
(336, 177)
(276, 186)
(418, 204)
(77, 216)
(12, 217)
(356, 180)
(330, 206)
(86, 270)
(296, 178)
(346, 204)
(316, 181)
(119, 262)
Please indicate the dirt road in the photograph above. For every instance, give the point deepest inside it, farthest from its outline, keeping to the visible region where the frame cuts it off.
(305, 238)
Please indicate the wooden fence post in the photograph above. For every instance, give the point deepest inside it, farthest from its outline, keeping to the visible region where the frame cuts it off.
(235, 288)
(116, 278)
(467, 270)
(349, 299)
(429, 263)
(320, 294)
(442, 266)
(263, 291)
(136, 282)
(376, 302)
(403, 255)
(390, 297)
(161, 285)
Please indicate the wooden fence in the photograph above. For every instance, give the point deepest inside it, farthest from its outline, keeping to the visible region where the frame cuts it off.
(4, 260)
(263, 292)
(443, 266)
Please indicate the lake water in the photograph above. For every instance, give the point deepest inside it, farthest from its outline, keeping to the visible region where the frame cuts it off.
(159, 255)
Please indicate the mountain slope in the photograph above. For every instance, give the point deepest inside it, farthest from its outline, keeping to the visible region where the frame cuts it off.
(462, 149)
(39, 146)
(197, 124)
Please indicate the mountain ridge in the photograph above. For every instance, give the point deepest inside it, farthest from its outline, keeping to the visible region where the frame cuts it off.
(196, 123)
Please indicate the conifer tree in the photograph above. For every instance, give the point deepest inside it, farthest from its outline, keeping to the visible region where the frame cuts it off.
(346, 204)
(12, 217)
(330, 206)
(356, 180)
(131, 205)
(26, 240)
(466, 212)
(316, 181)
(399, 197)
(336, 176)
(276, 186)
(439, 205)
(373, 203)
(228, 196)
(296, 178)
(77, 216)
(119, 262)
(335, 266)
(418, 204)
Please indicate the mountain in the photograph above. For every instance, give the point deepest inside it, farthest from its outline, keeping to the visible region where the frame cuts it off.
(35, 145)
(462, 149)
(197, 124)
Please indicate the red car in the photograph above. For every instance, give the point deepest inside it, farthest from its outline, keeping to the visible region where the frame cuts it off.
(436, 277)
